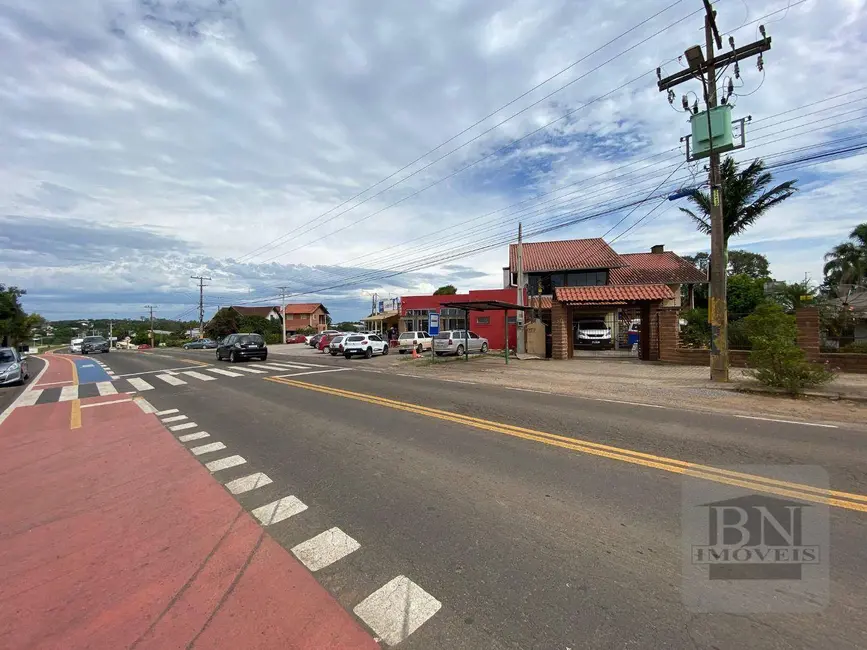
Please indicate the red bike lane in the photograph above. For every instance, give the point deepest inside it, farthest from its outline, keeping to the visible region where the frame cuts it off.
(113, 536)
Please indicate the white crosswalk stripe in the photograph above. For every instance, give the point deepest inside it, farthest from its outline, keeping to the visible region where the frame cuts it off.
(30, 398)
(265, 366)
(198, 375)
(206, 449)
(169, 379)
(68, 393)
(250, 370)
(106, 388)
(225, 373)
(139, 384)
(304, 365)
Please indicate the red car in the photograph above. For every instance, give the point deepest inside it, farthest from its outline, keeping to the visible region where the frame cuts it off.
(144, 346)
(324, 341)
(297, 338)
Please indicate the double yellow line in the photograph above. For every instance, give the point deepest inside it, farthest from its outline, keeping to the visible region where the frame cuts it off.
(75, 413)
(755, 482)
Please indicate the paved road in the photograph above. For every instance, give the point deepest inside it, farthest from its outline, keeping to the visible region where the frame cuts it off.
(537, 521)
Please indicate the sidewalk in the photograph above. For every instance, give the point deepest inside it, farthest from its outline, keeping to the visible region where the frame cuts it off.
(661, 384)
(113, 536)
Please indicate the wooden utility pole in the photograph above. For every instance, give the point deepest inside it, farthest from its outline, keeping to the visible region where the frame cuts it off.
(151, 309)
(283, 310)
(519, 316)
(705, 68)
(201, 280)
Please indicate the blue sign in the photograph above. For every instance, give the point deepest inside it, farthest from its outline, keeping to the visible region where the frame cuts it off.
(433, 324)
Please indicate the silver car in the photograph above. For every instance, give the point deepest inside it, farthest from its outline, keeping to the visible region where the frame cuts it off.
(458, 342)
(13, 367)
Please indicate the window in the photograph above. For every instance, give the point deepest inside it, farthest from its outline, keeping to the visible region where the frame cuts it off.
(251, 338)
(586, 278)
(7, 356)
(483, 320)
(374, 337)
(512, 320)
(558, 280)
(473, 335)
(322, 319)
(407, 335)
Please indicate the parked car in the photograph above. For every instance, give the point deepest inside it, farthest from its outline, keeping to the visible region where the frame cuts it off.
(454, 342)
(92, 344)
(593, 333)
(237, 347)
(142, 346)
(297, 338)
(335, 345)
(325, 341)
(420, 341)
(13, 367)
(201, 344)
(75, 346)
(364, 344)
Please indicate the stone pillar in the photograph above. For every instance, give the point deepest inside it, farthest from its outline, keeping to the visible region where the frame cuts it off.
(807, 321)
(559, 330)
(669, 333)
(653, 331)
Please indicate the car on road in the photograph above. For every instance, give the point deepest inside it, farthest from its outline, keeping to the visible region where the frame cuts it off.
(93, 344)
(316, 338)
(13, 367)
(75, 346)
(364, 344)
(325, 341)
(459, 342)
(201, 344)
(335, 345)
(418, 341)
(593, 333)
(297, 338)
(237, 347)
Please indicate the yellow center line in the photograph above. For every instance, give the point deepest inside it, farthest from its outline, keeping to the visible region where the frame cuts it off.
(750, 481)
(75, 415)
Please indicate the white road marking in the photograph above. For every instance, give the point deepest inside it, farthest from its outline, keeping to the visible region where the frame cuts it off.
(174, 418)
(167, 412)
(226, 373)
(198, 375)
(225, 463)
(397, 609)
(266, 366)
(247, 483)
(55, 383)
(206, 449)
(325, 549)
(304, 365)
(144, 405)
(68, 393)
(151, 372)
(88, 365)
(185, 425)
(29, 398)
(251, 370)
(169, 379)
(140, 384)
(105, 388)
(279, 510)
(619, 401)
(194, 436)
(806, 424)
(288, 366)
(106, 403)
(530, 390)
(315, 372)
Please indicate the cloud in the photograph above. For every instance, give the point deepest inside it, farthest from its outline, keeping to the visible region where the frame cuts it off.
(148, 140)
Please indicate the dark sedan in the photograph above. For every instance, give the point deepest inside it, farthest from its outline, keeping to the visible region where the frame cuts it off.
(237, 347)
(92, 344)
(201, 344)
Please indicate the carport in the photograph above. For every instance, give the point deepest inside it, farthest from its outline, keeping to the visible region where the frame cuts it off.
(485, 305)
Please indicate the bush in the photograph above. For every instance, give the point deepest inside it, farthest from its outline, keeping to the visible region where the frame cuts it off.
(776, 360)
(738, 337)
(273, 338)
(855, 348)
(696, 332)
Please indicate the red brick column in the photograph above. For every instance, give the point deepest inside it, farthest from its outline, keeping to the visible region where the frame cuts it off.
(669, 333)
(559, 330)
(807, 321)
(653, 331)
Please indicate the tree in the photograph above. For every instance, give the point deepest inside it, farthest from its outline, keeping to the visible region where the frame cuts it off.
(701, 260)
(846, 263)
(754, 265)
(794, 296)
(14, 323)
(224, 322)
(447, 290)
(345, 326)
(743, 295)
(745, 198)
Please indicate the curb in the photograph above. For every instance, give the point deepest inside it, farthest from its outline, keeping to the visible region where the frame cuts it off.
(760, 390)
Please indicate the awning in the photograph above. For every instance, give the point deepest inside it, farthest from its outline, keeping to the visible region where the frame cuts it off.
(380, 317)
(613, 294)
(486, 305)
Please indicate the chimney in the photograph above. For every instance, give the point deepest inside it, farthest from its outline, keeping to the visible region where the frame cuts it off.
(659, 248)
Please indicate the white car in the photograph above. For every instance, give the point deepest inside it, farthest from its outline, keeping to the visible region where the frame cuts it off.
(75, 346)
(420, 341)
(593, 333)
(364, 344)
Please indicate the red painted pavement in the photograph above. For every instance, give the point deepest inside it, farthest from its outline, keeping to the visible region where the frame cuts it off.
(59, 371)
(114, 536)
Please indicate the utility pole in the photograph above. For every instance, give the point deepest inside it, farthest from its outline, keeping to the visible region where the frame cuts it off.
(151, 309)
(283, 309)
(110, 325)
(519, 316)
(705, 68)
(201, 280)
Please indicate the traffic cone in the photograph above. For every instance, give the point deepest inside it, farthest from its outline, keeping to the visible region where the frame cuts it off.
(415, 354)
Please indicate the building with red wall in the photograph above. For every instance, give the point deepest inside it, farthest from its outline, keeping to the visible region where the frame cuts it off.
(415, 311)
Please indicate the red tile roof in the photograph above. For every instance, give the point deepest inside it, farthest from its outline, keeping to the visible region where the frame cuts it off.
(656, 268)
(304, 307)
(613, 295)
(257, 311)
(568, 255)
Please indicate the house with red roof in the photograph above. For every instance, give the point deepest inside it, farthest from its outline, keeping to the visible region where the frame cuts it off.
(582, 285)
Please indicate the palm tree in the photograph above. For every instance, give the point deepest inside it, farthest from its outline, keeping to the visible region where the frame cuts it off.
(846, 263)
(745, 198)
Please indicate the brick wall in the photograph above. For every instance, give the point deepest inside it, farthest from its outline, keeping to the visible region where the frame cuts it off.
(845, 362)
(560, 331)
(807, 320)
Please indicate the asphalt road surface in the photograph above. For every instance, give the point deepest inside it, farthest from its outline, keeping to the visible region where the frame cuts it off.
(529, 520)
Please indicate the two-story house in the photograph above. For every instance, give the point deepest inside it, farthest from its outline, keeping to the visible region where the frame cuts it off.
(303, 315)
(584, 281)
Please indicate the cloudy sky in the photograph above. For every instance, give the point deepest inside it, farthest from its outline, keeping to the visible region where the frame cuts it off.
(145, 141)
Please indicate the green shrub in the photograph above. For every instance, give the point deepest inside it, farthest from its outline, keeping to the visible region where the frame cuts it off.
(855, 348)
(776, 360)
(273, 338)
(738, 337)
(696, 332)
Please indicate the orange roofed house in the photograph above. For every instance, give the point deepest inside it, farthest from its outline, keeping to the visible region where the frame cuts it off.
(580, 282)
(307, 314)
